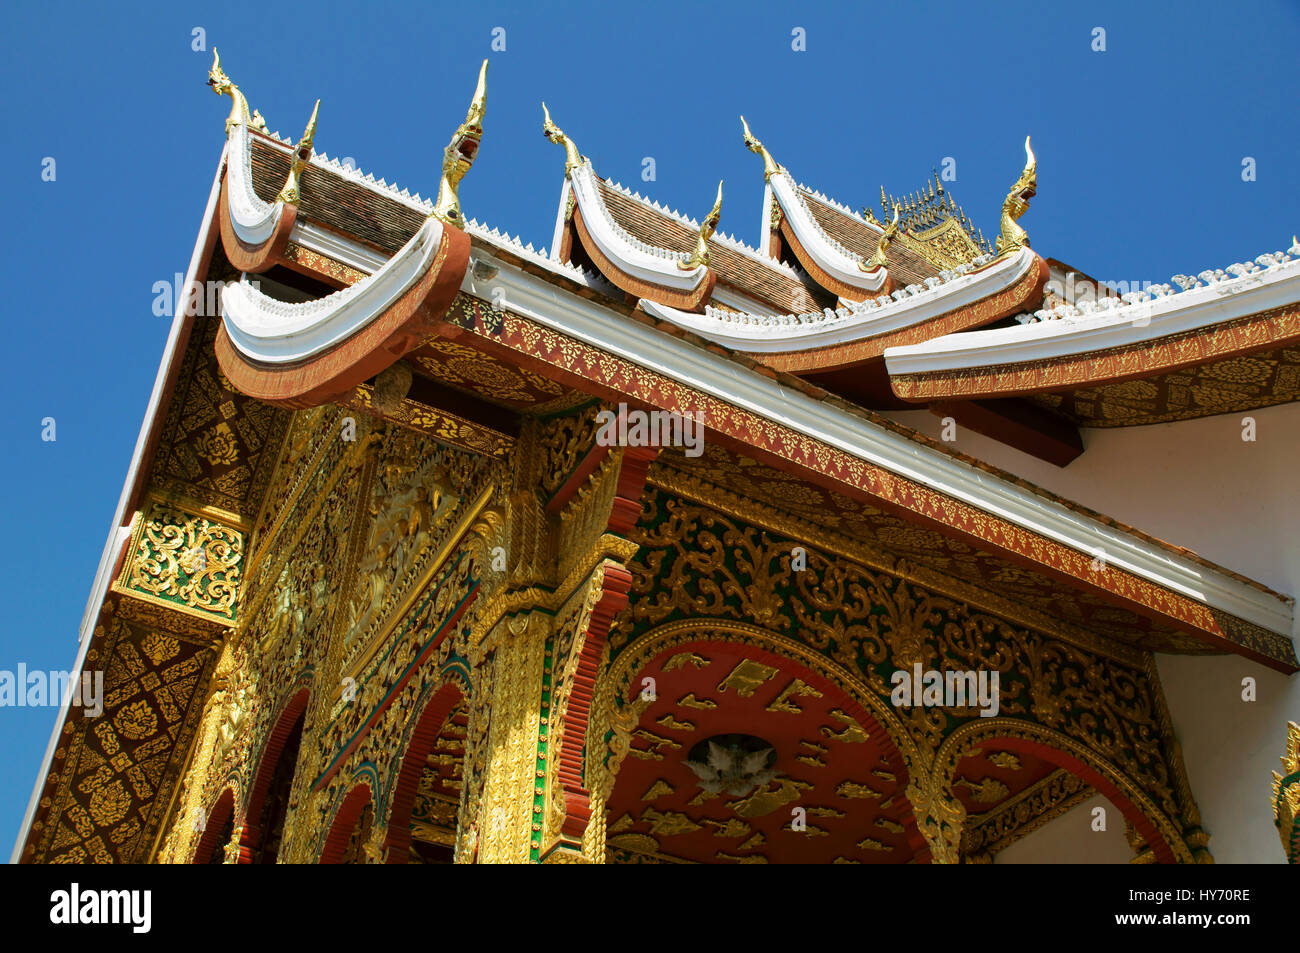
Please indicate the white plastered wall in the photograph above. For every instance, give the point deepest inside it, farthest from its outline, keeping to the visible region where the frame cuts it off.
(1197, 484)
(1073, 838)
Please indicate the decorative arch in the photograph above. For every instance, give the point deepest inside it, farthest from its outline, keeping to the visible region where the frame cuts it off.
(610, 736)
(294, 711)
(1162, 832)
(220, 819)
(349, 812)
(397, 841)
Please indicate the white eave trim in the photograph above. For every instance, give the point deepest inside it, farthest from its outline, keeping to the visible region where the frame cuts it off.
(639, 259)
(1107, 326)
(532, 296)
(765, 334)
(833, 258)
(269, 331)
(254, 221)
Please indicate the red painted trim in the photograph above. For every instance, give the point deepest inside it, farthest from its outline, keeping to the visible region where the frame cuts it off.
(341, 830)
(638, 288)
(1012, 299)
(216, 820)
(1150, 833)
(625, 510)
(570, 763)
(254, 258)
(251, 837)
(1265, 331)
(397, 843)
(818, 274)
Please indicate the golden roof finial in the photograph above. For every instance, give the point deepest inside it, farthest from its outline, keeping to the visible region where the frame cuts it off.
(770, 166)
(707, 227)
(223, 86)
(302, 152)
(878, 260)
(1013, 237)
(572, 158)
(459, 155)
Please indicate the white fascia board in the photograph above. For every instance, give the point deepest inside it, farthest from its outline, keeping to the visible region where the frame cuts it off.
(277, 332)
(790, 333)
(765, 229)
(838, 262)
(640, 259)
(333, 245)
(557, 238)
(742, 302)
(119, 533)
(1124, 326)
(535, 298)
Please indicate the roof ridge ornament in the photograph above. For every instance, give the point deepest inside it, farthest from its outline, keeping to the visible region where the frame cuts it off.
(289, 195)
(770, 166)
(707, 227)
(459, 155)
(1013, 237)
(240, 113)
(879, 259)
(572, 158)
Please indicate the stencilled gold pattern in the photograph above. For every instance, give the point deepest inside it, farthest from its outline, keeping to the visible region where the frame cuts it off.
(117, 770)
(1229, 386)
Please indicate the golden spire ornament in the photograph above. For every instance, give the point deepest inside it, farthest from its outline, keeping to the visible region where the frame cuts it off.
(878, 260)
(572, 158)
(459, 155)
(770, 166)
(707, 227)
(222, 85)
(302, 152)
(1016, 204)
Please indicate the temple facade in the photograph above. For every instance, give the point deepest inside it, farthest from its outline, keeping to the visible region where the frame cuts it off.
(659, 547)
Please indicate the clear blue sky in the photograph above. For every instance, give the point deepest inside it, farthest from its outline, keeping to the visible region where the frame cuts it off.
(1139, 148)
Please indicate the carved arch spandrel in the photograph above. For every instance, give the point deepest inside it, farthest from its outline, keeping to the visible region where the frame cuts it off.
(618, 706)
(699, 564)
(1162, 832)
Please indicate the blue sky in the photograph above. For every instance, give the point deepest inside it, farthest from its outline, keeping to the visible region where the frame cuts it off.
(1140, 151)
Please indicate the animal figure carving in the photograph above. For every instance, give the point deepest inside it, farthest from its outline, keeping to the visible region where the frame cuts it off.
(1013, 237)
(239, 112)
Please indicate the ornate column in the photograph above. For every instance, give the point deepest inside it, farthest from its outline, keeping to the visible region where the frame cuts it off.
(508, 824)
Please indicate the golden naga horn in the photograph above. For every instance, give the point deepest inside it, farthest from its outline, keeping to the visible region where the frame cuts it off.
(879, 260)
(770, 166)
(1013, 237)
(239, 111)
(572, 158)
(289, 195)
(707, 227)
(459, 155)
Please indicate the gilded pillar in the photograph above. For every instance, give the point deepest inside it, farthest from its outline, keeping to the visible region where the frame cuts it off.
(508, 825)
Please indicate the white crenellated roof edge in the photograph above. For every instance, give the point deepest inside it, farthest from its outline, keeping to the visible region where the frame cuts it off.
(838, 261)
(880, 315)
(723, 238)
(270, 331)
(660, 266)
(1212, 297)
(254, 221)
(697, 368)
